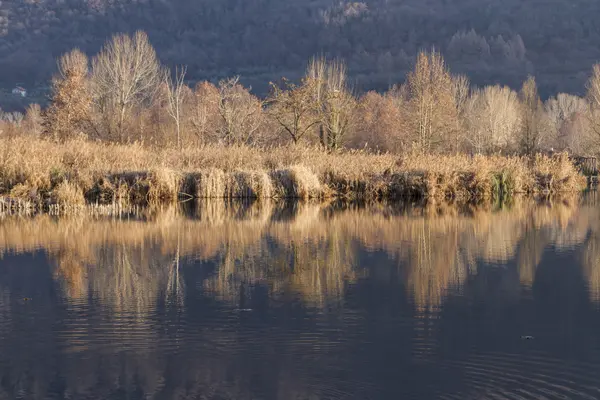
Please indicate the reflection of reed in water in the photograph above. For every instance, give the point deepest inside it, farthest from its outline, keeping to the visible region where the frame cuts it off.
(589, 253)
(314, 265)
(71, 267)
(440, 249)
(308, 249)
(590, 257)
(321, 260)
(435, 263)
(322, 270)
(129, 279)
(582, 235)
(529, 256)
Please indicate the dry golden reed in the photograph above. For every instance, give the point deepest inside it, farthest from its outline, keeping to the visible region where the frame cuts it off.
(45, 173)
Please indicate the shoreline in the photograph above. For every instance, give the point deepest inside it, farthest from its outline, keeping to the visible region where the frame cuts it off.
(42, 174)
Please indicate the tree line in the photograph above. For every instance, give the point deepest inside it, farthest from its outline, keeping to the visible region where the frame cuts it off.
(124, 95)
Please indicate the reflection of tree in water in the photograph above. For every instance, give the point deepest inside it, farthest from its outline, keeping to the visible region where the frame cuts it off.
(590, 257)
(310, 251)
(138, 270)
(583, 237)
(313, 253)
(129, 279)
(433, 263)
(529, 256)
(70, 267)
(316, 268)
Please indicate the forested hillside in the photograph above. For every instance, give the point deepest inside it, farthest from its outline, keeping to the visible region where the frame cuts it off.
(491, 41)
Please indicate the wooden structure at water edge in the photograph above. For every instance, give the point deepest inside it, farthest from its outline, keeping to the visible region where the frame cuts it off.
(589, 167)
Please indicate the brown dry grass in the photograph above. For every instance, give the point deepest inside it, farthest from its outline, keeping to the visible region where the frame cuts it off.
(67, 193)
(46, 173)
(297, 181)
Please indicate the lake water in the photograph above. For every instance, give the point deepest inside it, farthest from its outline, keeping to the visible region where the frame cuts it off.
(304, 301)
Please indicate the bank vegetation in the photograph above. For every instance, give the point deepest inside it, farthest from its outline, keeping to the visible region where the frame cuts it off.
(122, 128)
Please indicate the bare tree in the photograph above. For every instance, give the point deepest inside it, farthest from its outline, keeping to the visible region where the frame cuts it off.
(292, 106)
(126, 73)
(203, 115)
(34, 120)
(593, 99)
(70, 104)
(240, 112)
(493, 116)
(13, 117)
(461, 88)
(10, 124)
(468, 44)
(333, 100)
(176, 91)
(431, 103)
(533, 122)
(381, 123)
(576, 136)
(477, 138)
(460, 91)
(564, 113)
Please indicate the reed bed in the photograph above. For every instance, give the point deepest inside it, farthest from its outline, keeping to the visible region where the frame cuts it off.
(79, 172)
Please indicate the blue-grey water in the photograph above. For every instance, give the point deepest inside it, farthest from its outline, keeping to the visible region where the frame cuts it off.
(304, 301)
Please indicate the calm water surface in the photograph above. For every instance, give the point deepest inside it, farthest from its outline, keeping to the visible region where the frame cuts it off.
(304, 301)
